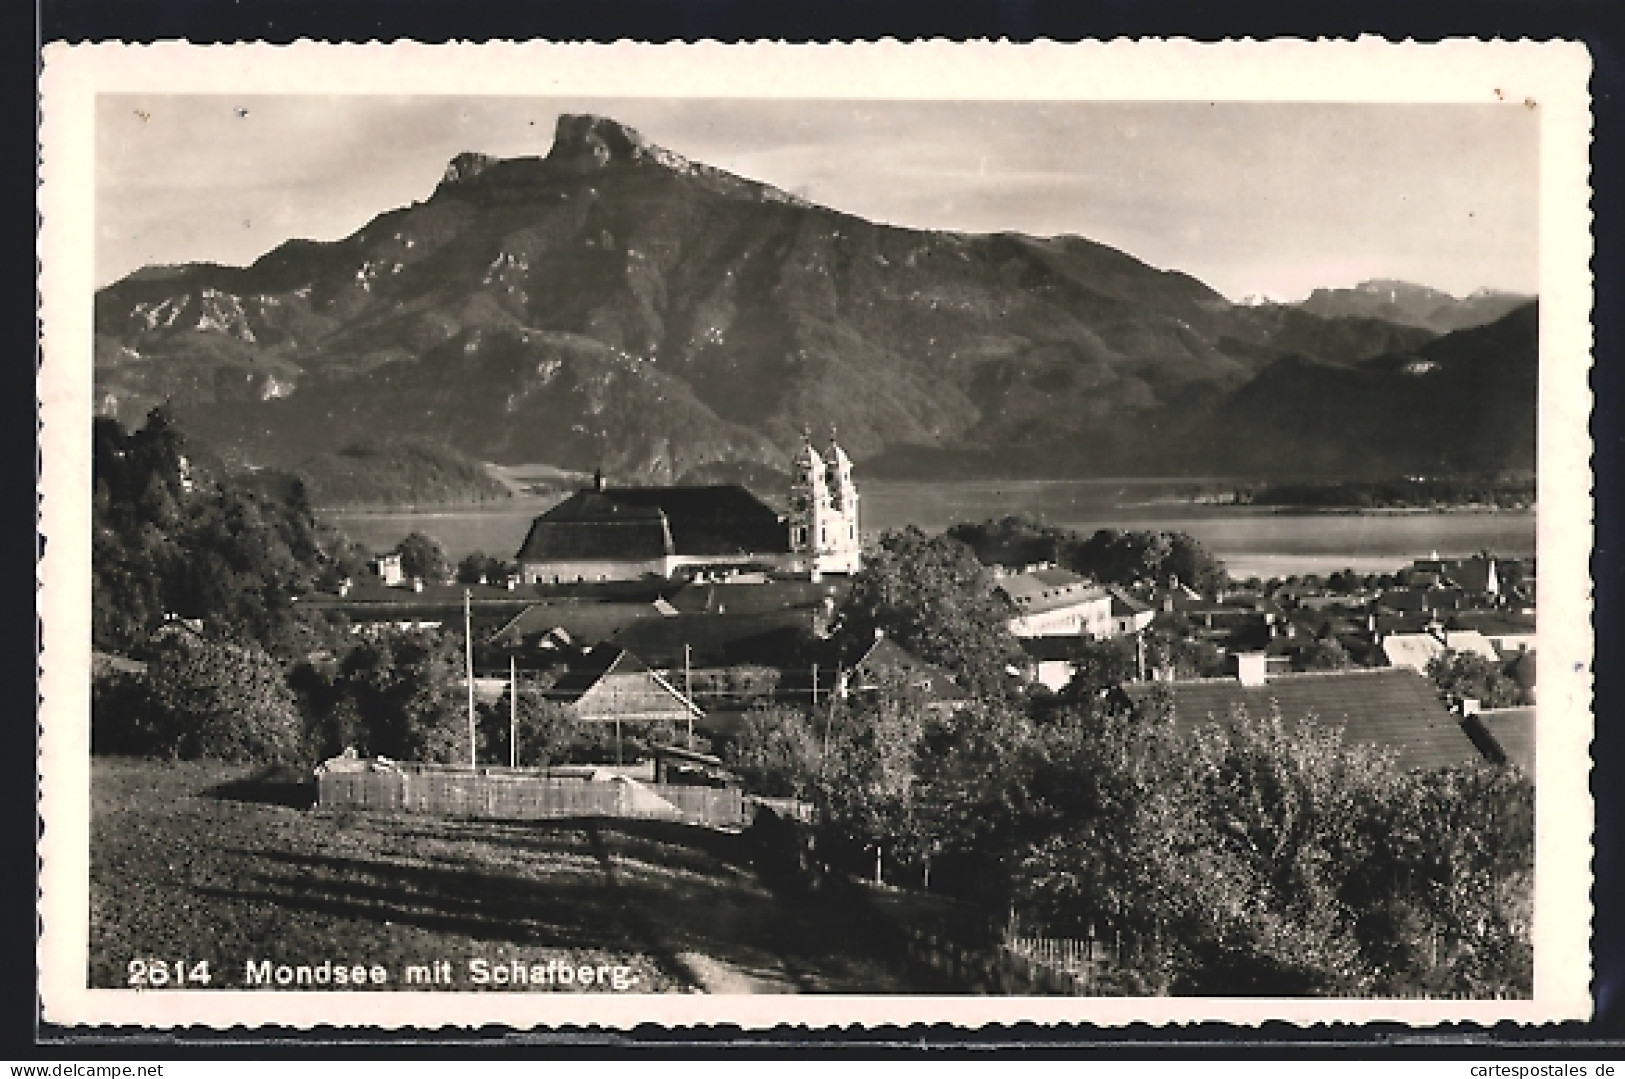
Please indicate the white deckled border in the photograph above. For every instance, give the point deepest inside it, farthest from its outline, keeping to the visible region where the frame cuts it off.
(1549, 76)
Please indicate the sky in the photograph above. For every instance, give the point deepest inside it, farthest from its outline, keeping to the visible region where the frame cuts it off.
(1253, 199)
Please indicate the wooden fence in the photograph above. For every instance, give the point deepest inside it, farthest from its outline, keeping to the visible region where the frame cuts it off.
(1000, 969)
(512, 795)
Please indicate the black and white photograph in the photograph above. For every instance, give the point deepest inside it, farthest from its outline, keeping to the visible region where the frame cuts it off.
(644, 545)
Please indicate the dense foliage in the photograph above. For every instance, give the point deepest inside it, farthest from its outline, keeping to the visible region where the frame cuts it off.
(931, 596)
(1108, 555)
(1466, 675)
(423, 557)
(777, 751)
(478, 567)
(201, 697)
(392, 694)
(174, 535)
(1261, 856)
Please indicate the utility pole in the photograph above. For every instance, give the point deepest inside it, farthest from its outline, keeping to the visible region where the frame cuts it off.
(815, 684)
(688, 692)
(513, 711)
(468, 651)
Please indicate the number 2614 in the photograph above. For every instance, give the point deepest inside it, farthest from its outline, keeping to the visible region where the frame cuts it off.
(167, 973)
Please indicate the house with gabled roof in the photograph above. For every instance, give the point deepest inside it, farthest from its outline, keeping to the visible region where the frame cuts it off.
(1055, 602)
(611, 684)
(885, 662)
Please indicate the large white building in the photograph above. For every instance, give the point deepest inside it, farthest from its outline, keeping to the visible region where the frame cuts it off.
(605, 533)
(1057, 603)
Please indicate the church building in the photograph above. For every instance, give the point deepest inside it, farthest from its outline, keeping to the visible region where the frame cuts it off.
(606, 533)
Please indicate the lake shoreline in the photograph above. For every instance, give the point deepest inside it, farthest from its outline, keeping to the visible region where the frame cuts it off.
(1266, 540)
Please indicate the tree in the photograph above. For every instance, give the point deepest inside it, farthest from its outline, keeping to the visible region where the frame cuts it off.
(970, 795)
(1015, 540)
(404, 686)
(1443, 878)
(1465, 675)
(777, 751)
(931, 596)
(548, 732)
(1268, 856)
(174, 534)
(866, 785)
(1132, 557)
(215, 699)
(1322, 654)
(1100, 665)
(480, 568)
(422, 556)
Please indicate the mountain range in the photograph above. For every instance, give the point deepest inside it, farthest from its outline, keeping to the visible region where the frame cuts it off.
(615, 305)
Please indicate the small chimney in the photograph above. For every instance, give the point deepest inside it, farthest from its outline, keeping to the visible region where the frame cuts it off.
(1251, 668)
(598, 479)
(417, 584)
(1469, 706)
(1371, 623)
(879, 633)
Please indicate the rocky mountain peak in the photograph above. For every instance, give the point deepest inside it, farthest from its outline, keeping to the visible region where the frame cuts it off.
(584, 144)
(466, 167)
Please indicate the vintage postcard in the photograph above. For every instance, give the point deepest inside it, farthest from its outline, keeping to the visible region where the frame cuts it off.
(550, 535)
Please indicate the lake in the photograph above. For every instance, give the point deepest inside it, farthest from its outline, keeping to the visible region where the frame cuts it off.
(1253, 541)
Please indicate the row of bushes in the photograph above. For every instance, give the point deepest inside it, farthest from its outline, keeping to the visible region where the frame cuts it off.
(397, 695)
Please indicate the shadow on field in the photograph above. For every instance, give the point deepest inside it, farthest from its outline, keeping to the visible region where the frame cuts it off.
(486, 906)
(278, 784)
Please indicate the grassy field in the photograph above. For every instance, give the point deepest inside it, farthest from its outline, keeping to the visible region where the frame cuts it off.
(199, 861)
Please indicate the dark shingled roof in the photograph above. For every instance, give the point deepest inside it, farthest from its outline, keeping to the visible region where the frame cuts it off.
(754, 598)
(718, 639)
(1391, 707)
(639, 523)
(887, 658)
(586, 621)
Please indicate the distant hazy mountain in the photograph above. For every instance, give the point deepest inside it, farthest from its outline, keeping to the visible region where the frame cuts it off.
(1462, 403)
(1413, 305)
(615, 304)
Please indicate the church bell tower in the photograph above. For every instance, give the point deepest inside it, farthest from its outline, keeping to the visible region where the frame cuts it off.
(823, 517)
(809, 502)
(841, 552)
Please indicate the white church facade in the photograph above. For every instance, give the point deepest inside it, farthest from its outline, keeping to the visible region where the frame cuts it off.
(823, 515)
